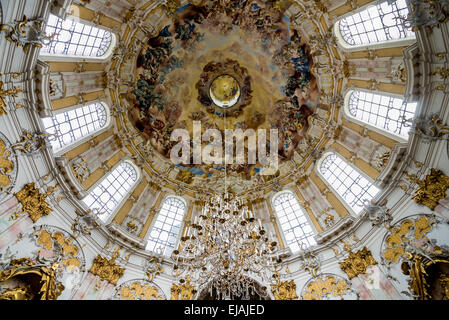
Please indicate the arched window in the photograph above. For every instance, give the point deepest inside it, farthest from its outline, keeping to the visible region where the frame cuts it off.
(166, 228)
(381, 111)
(352, 186)
(376, 24)
(297, 230)
(75, 39)
(112, 190)
(70, 126)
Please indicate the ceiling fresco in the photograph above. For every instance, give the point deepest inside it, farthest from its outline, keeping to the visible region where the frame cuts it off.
(230, 65)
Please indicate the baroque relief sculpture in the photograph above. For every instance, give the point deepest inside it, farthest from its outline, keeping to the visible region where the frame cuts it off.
(357, 262)
(284, 290)
(432, 189)
(8, 166)
(326, 286)
(139, 289)
(33, 202)
(107, 269)
(5, 93)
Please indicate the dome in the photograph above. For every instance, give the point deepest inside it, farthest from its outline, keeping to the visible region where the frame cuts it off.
(234, 150)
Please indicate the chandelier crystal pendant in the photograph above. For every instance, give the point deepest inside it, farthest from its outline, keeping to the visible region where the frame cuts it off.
(227, 251)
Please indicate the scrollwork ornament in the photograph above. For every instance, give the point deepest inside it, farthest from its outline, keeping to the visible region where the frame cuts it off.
(8, 167)
(138, 289)
(284, 290)
(85, 222)
(327, 286)
(409, 243)
(33, 202)
(430, 129)
(432, 189)
(357, 262)
(426, 14)
(310, 262)
(409, 236)
(6, 93)
(27, 32)
(153, 266)
(80, 168)
(31, 143)
(107, 269)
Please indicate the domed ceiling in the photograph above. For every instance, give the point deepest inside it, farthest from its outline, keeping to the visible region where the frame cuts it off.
(230, 65)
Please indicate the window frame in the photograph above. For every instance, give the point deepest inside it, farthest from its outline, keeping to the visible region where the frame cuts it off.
(111, 216)
(341, 42)
(370, 126)
(181, 227)
(74, 58)
(306, 214)
(334, 192)
(86, 137)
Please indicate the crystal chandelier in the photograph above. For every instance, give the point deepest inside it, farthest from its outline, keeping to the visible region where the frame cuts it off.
(226, 251)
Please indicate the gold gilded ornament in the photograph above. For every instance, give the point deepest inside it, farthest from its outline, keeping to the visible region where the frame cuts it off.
(432, 189)
(49, 288)
(284, 290)
(69, 250)
(183, 291)
(154, 268)
(107, 269)
(5, 93)
(138, 291)
(382, 160)
(325, 287)
(357, 262)
(33, 202)
(396, 241)
(6, 165)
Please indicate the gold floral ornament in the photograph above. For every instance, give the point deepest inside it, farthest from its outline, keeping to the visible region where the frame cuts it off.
(284, 290)
(442, 72)
(408, 230)
(31, 143)
(324, 287)
(382, 160)
(25, 270)
(5, 93)
(154, 267)
(183, 291)
(107, 269)
(69, 250)
(6, 165)
(357, 262)
(80, 168)
(131, 227)
(432, 189)
(140, 290)
(33, 202)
